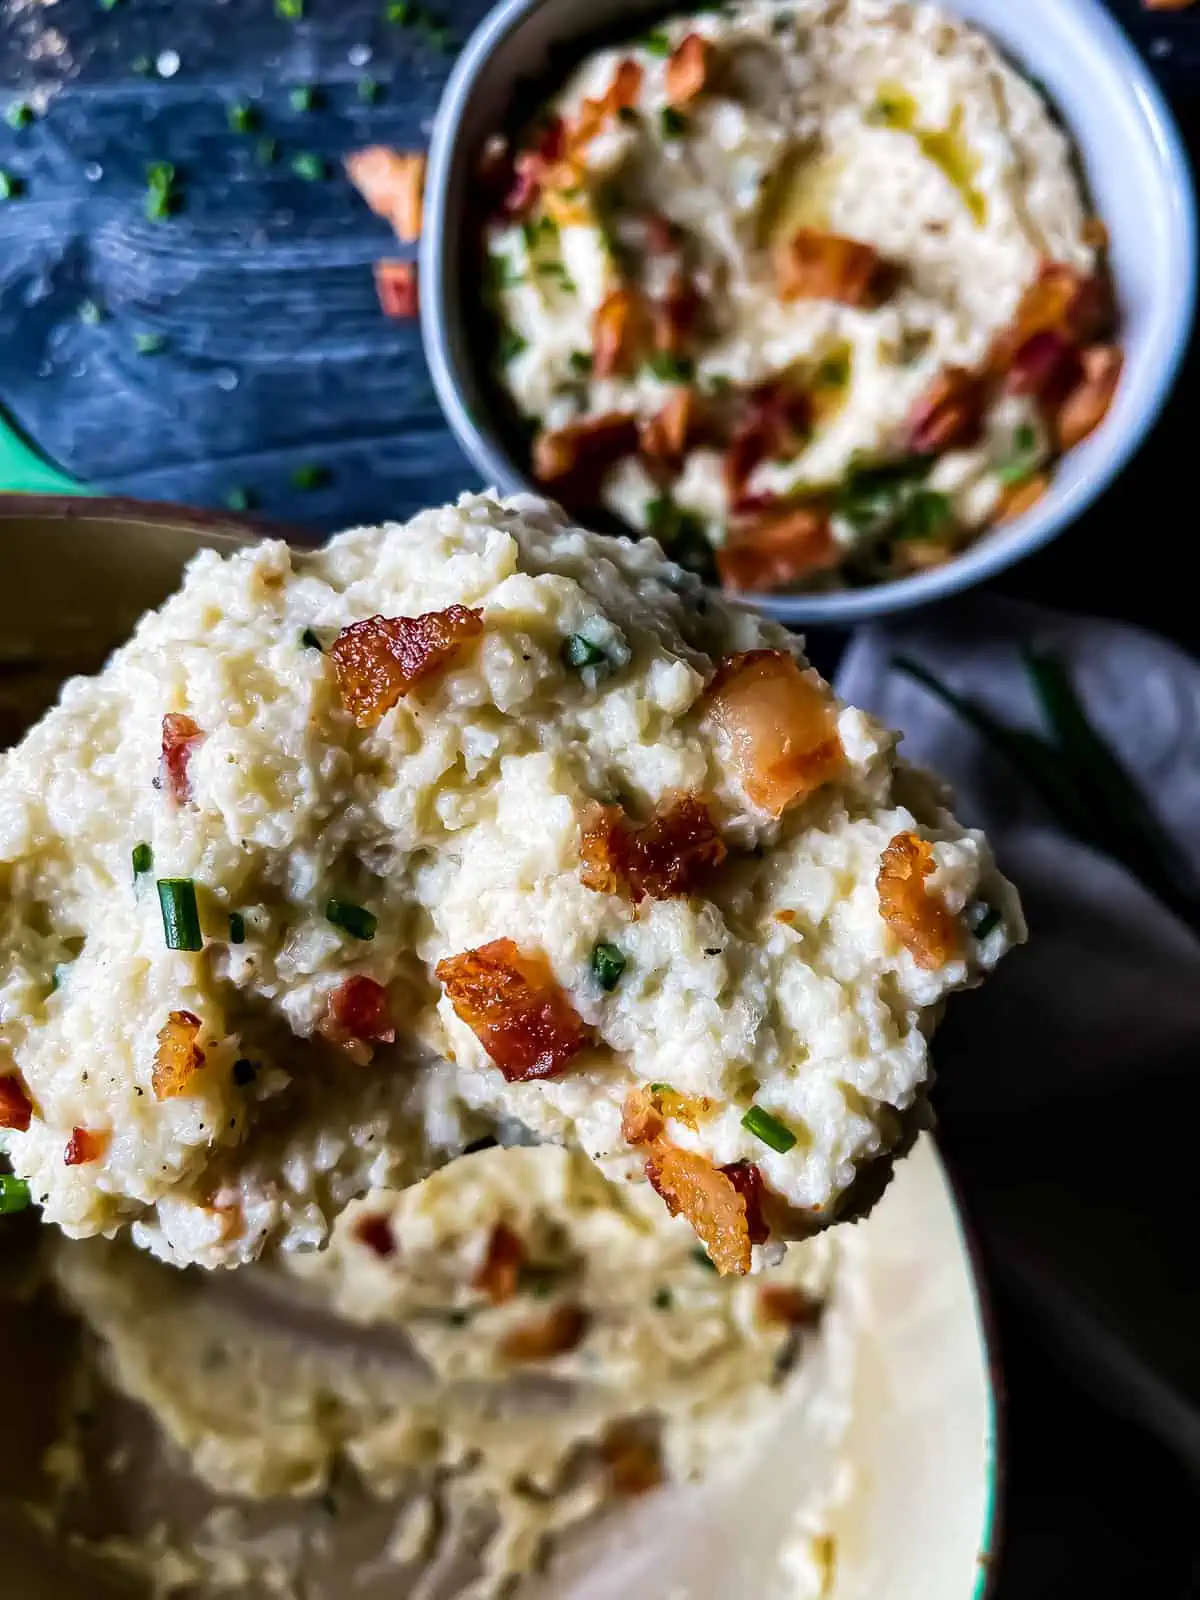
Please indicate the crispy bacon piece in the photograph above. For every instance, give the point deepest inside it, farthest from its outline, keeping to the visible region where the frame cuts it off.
(560, 1330)
(619, 332)
(787, 1305)
(500, 1270)
(674, 316)
(778, 549)
(918, 919)
(516, 1008)
(16, 1108)
(1046, 365)
(781, 725)
(180, 736)
(949, 415)
(775, 425)
(532, 167)
(670, 855)
(178, 1057)
(747, 1180)
(687, 69)
(633, 1459)
(1086, 407)
(578, 455)
(665, 437)
(644, 1114)
(379, 660)
(84, 1146)
(396, 287)
(1167, 5)
(392, 182)
(1074, 305)
(814, 265)
(1018, 499)
(660, 233)
(709, 1198)
(374, 1232)
(358, 1010)
(620, 95)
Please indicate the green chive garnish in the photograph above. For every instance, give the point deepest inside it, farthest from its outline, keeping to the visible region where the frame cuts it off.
(702, 1259)
(239, 499)
(982, 918)
(368, 91)
(237, 928)
(89, 313)
(310, 476)
(243, 118)
(357, 921)
(18, 114)
(265, 152)
(628, 116)
(160, 190)
(399, 11)
(657, 42)
(181, 919)
(673, 369)
(244, 1072)
(608, 963)
(14, 1194)
(149, 344)
(769, 1129)
(302, 99)
(143, 859)
(661, 1088)
(1023, 460)
(511, 345)
(308, 166)
(580, 652)
(662, 1299)
(290, 10)
(673, 123)
(310, 641)
(926, 514)
(580, 362)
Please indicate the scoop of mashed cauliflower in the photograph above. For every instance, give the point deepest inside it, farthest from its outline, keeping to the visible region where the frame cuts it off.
(349, 856)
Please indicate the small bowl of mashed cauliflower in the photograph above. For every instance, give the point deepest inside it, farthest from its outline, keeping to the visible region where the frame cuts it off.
(847, 305)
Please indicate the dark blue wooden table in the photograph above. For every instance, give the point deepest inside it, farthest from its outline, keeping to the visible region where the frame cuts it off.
(236, 352)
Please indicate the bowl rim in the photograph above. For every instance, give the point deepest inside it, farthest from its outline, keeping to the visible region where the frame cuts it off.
(453, 379)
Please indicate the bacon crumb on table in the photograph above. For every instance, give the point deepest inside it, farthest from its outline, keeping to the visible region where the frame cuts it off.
(178, 1057)
(379, 660)
(919, 919)
(396, 287)
(392, 182)
(516, 1008)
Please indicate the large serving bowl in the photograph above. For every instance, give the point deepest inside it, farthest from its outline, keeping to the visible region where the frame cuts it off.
(1134, 164)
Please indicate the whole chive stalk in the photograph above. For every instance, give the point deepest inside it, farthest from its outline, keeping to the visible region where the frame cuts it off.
(14, 1194)
(180, 916)
(769, 1129)
(357, 921)
(608, 963)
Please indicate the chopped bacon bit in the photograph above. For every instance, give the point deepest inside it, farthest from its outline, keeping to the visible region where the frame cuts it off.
(500, 1270)
(1086, 407)
(670, 855)
(1095, 230)
(687, 70)
(180, 736)
(1074, 305)
(674, 316)
(618, 333)
(776, 425)
(709, 1198)
(383, 658)
(578, 455)
(560, 1330)
(642, 1120)
(374, 1232)
(1018, 499)
(949, 415)
(788, 1305)
(690, 1109)
(178, 1057)
(396, 287)
(778, 549)
(516, 1008)
(748, 1181)
(620, 95)
(1167, 5)
(16, 1108)
(918, 919)
(814, 265)
(532, 168)
(781, 725)
(1046, 365)
(665, 437)
(392, 182)
(358, 1010)
(85, 1146)
(633, 1460)
(661, 234)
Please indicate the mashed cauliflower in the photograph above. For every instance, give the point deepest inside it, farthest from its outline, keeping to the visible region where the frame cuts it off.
(260, 953)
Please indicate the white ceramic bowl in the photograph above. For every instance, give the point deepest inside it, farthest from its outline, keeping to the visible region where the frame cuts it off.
(1132, 156)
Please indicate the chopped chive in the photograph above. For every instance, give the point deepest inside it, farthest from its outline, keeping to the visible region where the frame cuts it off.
(1023, 461)
(108, 5)
(89, 313)
(10, 187)
(368, 91)
(14, 1194)
(511, 345)
(239, 499)
(149, 344)
(310, 476)
(983, 918)
(289, 10)
(265, 152)
(581, 362)
(540, 1280)
(579, 652)
(310, 641)
(308, 166)
(302, 99)
(628, 116)
(833, 372)
(608, 963)
(437, 35)
(671, 368)
(244, 1072)
(926, 514)
(399, 11)
(142, 857)
(502, 273)
(180, 917)
(673, 123)
(237, 928)
(242, 117)
(661, 1088)
(702, 1259)
(161, 195)
(769, 1129)
(657, 42)
(663, 1299)
(141, 65)
(357, 921)
(19, 114)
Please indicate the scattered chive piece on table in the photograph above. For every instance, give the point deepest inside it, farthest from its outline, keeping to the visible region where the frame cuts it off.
(982, 918)
(89, 313)
(244, 1072)
(181, 919)
(19, 114)
(674, 123)
(265, 151)
(580, 652)
(608, 963)
(702, 1259)
(108, 5)
(239, 499)
(310, 476)
(303, 98)
(368, 91)
(141, 65)
(308, 166)
(399, 11)
(161, 196)
(290, 10)
(310, 640)
(149, 344)
(243, 118)
(357, 921)
(769, 1129)
(237, 928)
(10, 187)
(14, 1194)
(142, 857)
